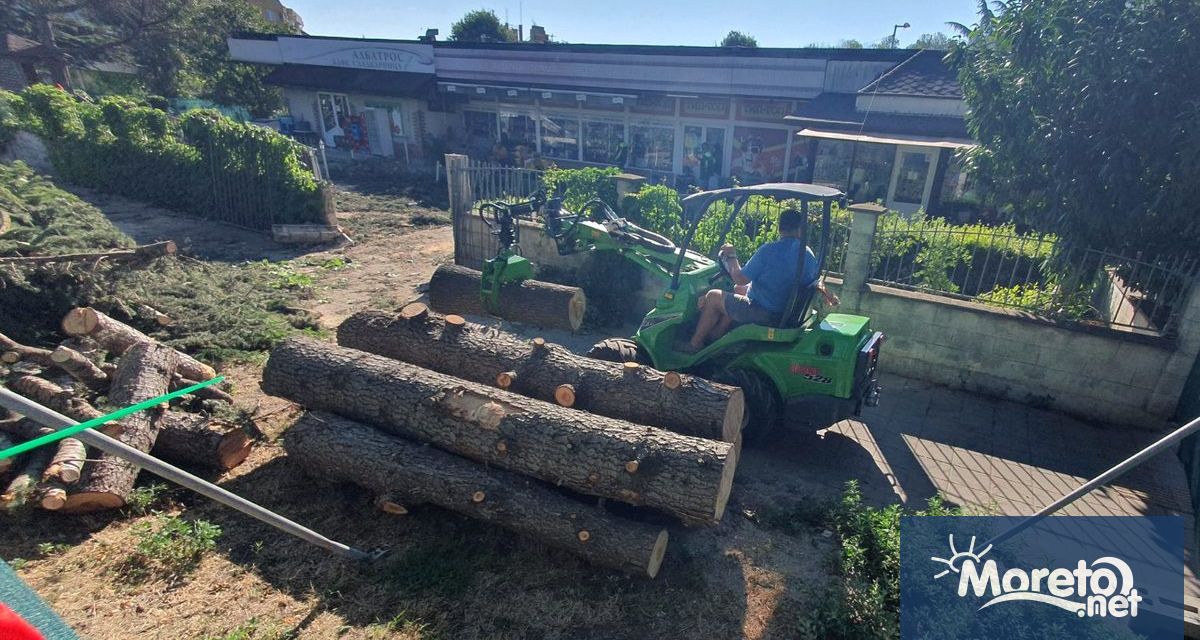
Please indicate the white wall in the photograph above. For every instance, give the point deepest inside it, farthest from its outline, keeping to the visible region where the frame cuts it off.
(911, 105)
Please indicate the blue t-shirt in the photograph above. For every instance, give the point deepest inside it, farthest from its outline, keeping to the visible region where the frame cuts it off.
(772, 272)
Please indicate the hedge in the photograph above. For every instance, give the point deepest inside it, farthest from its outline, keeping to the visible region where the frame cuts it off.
(203, 163)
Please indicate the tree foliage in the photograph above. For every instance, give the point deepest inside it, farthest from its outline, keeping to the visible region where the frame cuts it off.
(738, 39)
(932, 41)
(1088, 116)
(178, 46)
(482, 25)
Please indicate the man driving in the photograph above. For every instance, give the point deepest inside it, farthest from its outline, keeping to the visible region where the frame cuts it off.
(770, 274)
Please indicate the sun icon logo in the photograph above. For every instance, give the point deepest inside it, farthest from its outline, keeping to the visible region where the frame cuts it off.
(957, 558)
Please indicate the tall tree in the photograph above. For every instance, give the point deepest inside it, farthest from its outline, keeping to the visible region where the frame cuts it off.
(850, 44)
(482, 25)
(1088, 117)
(738, 39)
(932, 41)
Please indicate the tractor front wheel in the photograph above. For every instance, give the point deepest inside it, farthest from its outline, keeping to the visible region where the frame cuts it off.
(618, 350)
(763, 408)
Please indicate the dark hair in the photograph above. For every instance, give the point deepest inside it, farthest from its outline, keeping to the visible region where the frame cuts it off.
(790, 221)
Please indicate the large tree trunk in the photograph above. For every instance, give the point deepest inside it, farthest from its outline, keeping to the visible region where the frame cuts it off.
(683, 475)
(455, 289)
(117, 337)
(191, 439)
(184, 438)
(680, 403)
(333, 448)
(144, 373)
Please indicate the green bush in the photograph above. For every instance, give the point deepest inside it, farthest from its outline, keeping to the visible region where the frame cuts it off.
(578, 186)
(170, 547)
(204, 163)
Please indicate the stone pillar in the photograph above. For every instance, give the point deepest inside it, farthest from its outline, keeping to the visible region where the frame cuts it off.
(458, 185)
(1171, 382)
(627, 183)
(858, 253)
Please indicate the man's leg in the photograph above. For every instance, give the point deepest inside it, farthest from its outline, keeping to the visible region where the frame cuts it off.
(712, 313)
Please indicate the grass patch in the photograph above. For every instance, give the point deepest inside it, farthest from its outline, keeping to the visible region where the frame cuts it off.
(251, 630)
(169, 547)
(147, 499)
(221, 312)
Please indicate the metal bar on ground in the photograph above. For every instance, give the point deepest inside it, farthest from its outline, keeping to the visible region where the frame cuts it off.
(47, 417)
(1115, 472)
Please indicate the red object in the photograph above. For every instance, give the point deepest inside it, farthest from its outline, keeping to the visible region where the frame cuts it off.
(14, 627)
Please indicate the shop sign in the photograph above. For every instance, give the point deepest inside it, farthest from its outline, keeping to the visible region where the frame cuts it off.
(654, 104)
(414, 58)
(764, 110)
(706, 107)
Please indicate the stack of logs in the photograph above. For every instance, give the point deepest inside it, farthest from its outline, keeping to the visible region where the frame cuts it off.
(524, 434)
(106, 361)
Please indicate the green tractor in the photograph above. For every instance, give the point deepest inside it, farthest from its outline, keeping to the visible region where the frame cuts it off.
(814, 367)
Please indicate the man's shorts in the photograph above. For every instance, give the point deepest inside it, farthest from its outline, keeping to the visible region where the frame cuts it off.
(743, 311)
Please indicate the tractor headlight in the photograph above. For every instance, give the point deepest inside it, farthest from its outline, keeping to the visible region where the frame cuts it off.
(650, 321)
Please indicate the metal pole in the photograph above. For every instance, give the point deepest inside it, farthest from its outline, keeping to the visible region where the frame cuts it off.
(91, 437)
(1117, 471)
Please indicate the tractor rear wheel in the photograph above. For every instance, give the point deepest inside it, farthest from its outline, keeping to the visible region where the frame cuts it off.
(763, 407)
(618, 350)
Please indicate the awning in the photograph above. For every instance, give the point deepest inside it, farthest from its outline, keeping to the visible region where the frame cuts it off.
(477, 89)
(907, 140)
(343, 80)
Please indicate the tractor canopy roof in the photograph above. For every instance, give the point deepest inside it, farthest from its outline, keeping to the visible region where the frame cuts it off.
(697, 203)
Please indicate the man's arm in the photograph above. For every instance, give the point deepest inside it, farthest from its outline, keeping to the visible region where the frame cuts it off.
(830, 298)
(729, 255)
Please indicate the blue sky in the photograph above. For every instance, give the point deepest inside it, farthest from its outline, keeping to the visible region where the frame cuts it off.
(695, 22)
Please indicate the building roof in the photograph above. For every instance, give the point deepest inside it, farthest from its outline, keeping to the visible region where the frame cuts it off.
(837, 112)
(924, 75)
(386, 83)
(15, 46)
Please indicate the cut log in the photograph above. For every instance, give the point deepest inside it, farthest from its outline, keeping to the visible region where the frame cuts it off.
(79, 367)
(682, 475)
(330, 447)
(150, 313)
(144, 373)
(117, 337)
(66, 465)
(455, 289)
(23, 485)
(52, 496)
(184, 438)
(194, 439)
(12, 352)
(388, 503)
(158, 249)
(641, 395)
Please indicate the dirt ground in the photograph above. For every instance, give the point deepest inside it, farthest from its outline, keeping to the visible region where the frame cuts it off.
(756, 575)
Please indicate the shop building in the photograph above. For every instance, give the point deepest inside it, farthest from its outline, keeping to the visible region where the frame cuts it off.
(701, 116)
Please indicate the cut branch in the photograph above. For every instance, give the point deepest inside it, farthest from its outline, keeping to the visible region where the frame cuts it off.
(79, 367)
(158, 249)
(117, 337)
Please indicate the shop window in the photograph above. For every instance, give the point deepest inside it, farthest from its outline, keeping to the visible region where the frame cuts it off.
(335, 108)
(652, 147)
(482, 133)
(872, 172)
(832, 165)
(758, 154)
(958, 185)
(604, 143)
(560, 138)
(518, 139)
(703, 151)
(399, 130)
(800, 165)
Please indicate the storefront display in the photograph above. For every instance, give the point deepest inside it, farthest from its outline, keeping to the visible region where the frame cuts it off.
(560, 138)
(518, 139)
(832, 166)
(872, 174)
(604, 143)
(759, 154)
(652, 147)
(703, 151)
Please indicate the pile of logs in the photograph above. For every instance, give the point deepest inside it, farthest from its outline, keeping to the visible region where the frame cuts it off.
(521, 434)
(106, 362)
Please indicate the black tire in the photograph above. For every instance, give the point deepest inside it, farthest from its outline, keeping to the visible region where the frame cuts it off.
(763, 408)
(618, 350)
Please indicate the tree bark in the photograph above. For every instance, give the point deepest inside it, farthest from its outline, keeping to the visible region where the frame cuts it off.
(183, 438)
(66, 465)
(144, 373)
(5, 463)
(211, 392)
(330, 447)
(12, 352)
(682, 475)
(455, 289)
(644, 396)
(117, 337)
(23, 484)
(193, 439)
(79, 367)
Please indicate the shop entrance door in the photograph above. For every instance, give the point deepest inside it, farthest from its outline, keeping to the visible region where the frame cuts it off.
(703, 155)
(335, 111)
(912, 179)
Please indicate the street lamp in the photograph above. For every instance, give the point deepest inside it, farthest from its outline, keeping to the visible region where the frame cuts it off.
(896, 44)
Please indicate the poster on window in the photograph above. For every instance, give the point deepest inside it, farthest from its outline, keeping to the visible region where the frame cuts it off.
(759, 154)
